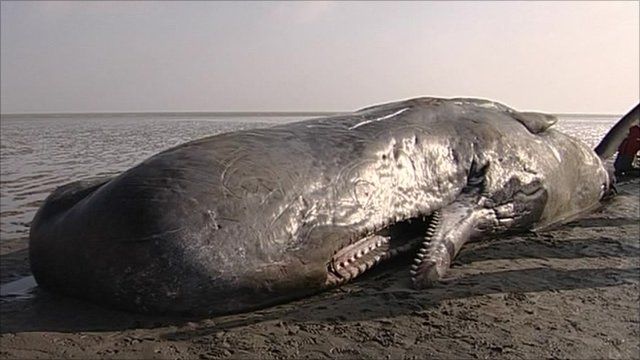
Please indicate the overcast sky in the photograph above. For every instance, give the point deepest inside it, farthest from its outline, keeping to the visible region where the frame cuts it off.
(331, 56)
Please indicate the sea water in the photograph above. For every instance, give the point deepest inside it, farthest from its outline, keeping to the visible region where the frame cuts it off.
(41, 152)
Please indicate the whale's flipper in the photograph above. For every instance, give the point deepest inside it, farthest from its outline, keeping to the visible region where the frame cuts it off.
(454, 224)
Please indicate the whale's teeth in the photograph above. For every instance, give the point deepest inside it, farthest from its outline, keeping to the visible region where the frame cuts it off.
(421, 255)
(414, 267)
(351, 259)
(417, 261)
(413, 272)
(358, 254)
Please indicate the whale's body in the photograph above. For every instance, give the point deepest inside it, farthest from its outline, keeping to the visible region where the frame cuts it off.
(246, 219)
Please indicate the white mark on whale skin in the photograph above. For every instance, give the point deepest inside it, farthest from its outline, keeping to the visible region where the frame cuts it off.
(556, 154)
(378, 119)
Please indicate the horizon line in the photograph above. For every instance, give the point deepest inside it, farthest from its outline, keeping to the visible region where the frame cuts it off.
(237, 113)
(202, 113)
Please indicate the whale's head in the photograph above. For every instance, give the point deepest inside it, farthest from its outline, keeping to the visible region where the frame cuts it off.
(175, 234)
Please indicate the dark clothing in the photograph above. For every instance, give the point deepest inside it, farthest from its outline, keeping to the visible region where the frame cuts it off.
(627, 152)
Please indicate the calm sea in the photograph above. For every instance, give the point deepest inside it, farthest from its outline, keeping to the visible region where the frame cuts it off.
(40, 152)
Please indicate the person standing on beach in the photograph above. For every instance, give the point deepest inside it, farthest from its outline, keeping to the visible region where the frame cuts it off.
(626, 153)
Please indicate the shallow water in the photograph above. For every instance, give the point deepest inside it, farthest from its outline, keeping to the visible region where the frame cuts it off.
(40, 153)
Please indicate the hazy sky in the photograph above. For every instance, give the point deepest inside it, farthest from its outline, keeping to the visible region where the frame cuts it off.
(252, 56)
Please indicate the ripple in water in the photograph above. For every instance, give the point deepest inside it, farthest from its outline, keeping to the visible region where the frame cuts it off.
(38, 154)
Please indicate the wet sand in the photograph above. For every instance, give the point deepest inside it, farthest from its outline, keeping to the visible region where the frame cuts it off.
(573, 292)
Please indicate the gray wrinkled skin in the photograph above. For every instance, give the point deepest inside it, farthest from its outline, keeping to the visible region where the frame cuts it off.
(243, 220)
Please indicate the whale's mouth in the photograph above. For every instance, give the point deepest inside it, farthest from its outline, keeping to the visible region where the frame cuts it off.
(376, 246)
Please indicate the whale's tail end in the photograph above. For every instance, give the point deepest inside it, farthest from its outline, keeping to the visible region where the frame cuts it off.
(616, 135)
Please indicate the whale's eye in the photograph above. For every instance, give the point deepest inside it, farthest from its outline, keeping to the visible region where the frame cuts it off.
(477, 174)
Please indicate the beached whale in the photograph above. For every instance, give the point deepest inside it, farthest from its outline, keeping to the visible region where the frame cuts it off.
(246, 219)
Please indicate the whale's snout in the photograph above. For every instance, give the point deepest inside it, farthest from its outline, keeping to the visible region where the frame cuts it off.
(146, 248)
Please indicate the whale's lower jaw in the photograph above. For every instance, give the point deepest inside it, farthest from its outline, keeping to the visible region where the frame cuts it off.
(377, 246)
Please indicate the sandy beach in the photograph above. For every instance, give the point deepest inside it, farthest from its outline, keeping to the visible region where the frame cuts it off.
(254, 144)
(572, 292)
